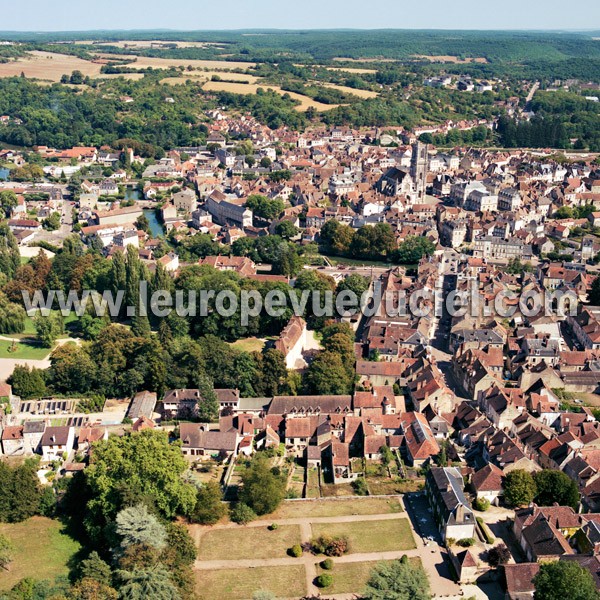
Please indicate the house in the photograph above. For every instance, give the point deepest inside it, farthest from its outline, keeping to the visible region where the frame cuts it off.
(452, 512)
(88, 436)
(177, 403)
(56, 442)
(487, 483)
(292, 343)
(197, 441)
(142, 405)
(519, 580)
(33, 432)
(12, 441)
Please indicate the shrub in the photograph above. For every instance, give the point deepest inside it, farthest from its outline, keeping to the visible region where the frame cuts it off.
(242, 514)
(327, 564)
(324, 580)
(295, 551)
(450, 542)
(273, 526)
(360, 487)
(481, 504)
(466, 542)
(487, 534)
(330, 546)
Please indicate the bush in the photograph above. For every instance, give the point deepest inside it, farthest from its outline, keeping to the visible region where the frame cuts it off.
(295, 551)
(498, 555)
(324, 580)
(450, 542)
(242, 514)
(360, 487)
(466, 542)
(273, 526)
(330, 546)
(481, 504)
(327, 564)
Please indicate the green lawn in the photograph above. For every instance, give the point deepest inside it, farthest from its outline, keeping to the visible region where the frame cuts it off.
(336, 508)
(41, 550)
(351, 578)
(248, 542)
(26, 349)
(240, 584)
(251, 344)
(371, 536)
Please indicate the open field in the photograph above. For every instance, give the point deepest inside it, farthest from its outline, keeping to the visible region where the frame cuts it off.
(240, 584)
(255, 543)
(371, 536)
(25, 350)
(200, 76)
(365, 60)
(150, 44)
(251, 88)
(351, 70)
(452, 59)
(336, 508)
(41, 550)
(351, 578)
(48, 65)
(349, 90)
(143, 62)
(249, 344)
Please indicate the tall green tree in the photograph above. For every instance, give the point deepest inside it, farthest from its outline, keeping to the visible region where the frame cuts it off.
(519, 488)
(564, 579)
(263, 488)
(397, 580)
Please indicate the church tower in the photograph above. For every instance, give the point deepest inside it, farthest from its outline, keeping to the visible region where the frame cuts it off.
(418, 168)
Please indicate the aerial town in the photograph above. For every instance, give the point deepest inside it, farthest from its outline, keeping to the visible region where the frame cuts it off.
(442, 451)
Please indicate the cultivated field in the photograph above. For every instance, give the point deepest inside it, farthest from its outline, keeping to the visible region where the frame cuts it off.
(251, 88)
(150, 44)
(42, 551)
(451, 59)
(48, 65)
(200, 76)
(143, 62)
(349, 90)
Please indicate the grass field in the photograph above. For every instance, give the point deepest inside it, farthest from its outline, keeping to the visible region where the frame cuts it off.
(48, 65)
(250, 88)
(349, 90)
(248, 542)
(240, 584)
(371, 536)
(200, 76)
(143, 62)
(351, 578)
(451, 59)
(41, 550)
(249, 344)
(25, 350)
(336, 508)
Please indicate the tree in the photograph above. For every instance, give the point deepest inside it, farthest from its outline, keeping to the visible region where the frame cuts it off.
(564, 579)
(48, 328)
(355, 283)
(28, 382)
(519, 488)
(91, 589)
(398, 580)
(137, 467)
(324, 580)
(136, 526)
(208, 406)
(263, 489)
(209, 504)
(151, 582)
(327, 374)
(93, 567)
(555, 486)
(412, 250)
(286, 230)
(12, 316)
(20, 492)
(498, 555)
(6, 552)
